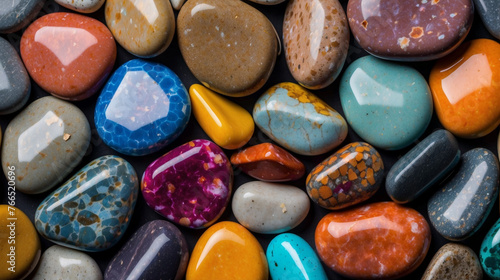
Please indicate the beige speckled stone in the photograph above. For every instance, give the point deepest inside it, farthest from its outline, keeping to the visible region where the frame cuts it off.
(316, 40)
(452, 262)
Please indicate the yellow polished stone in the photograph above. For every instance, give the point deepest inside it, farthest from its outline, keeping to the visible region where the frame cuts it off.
(22, 243)
(227, 251)
(225, 122)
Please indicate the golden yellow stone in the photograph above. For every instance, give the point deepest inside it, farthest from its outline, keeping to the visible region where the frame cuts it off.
(227, 251)
(226, 123)
(19, 244)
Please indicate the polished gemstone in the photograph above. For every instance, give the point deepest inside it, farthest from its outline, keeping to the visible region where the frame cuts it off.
(18, 13)
(489, 11)
(452, 262)
(489, 254)
(82, 6)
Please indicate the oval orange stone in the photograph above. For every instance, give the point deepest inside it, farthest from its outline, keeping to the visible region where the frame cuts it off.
(466, 90)
(379, 240)
(68, 55)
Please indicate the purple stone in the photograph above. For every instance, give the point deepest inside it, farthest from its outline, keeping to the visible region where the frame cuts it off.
(190, 185)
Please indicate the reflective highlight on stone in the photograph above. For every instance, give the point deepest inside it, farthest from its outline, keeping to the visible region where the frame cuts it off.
(18, 13)
(82, 6)
(454, 261)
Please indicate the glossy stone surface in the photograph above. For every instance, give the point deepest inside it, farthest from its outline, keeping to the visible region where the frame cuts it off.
(268, 162)
(378, 240)
(44, 143)
(460, 208)
(290, 257)
(489, 11)
(143, 108)
(422, 167)
(82, 6)
(144, 28)
(489, 255)
(227, 251)
(15, 84)
(454, 261)
(410, 30)
(190, 185)
(315, 40)
(63, 263)
(68, 55)
(228, 124)
(157, 250)
(351, 175)
(210, 29)
(177, 4)
(389, 105)
(92, 210)
(268, 2)
(465, 90)
(270, 208)
(20, 243)
(298, 120)
(18, 13)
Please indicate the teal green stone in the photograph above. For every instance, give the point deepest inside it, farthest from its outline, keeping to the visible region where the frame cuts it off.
(489, 255)
(92, 210)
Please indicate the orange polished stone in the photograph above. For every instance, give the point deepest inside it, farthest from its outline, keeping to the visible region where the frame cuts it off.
(68, 55)
(379, 240)
(268, 162)
(465, 87)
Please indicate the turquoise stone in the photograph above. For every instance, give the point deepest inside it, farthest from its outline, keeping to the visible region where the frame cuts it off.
(489, 255)
(290, 257)
(387, 104)
(92, 210)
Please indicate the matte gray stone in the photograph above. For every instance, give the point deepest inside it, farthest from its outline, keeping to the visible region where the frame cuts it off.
(16, 14)
(489, 11)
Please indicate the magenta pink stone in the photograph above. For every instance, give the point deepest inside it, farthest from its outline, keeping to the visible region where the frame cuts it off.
(190, 185)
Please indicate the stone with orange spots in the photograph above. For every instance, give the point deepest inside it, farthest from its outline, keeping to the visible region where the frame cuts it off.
(465, 89)
(377, 241)
(68, 55)
(351, 175)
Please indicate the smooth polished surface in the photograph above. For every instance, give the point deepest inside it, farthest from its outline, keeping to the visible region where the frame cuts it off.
(227, 251)
(298, 120)
(315, 40)
(190, 185)
(422, 167)
(489, 255)
(92, 210)
(157, 250)
(228, 124)
(177, 4)
(18, 13)
(44, 143)
(464, 87)
(351, 175)
(387, 104)
(454, 261)
(269, 208)
(268, 162)
(143, 108)
(144, 28)
(410, 30)
(378, 240)
(81, 6)
(489, 11)
(290, 257)
(210, 29)
(68, 55)
(462, 205)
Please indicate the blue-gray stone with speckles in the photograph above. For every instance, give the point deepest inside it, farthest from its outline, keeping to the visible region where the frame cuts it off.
(16, 14)
(489, 11)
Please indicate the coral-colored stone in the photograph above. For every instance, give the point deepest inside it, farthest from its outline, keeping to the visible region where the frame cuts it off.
(68, 55)
(268, 162)
(379, 240)
(465, 89)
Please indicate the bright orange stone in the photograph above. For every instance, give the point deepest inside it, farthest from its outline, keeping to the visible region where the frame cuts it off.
(466, 90)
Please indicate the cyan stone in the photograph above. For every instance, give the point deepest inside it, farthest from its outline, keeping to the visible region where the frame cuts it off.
(489, 254)
(489, 11)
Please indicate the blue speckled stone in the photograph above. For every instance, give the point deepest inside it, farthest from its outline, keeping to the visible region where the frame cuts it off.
(459, 209)
(290, 257)
(143, 108)
(489, 255)
(489, 11)
(298, 120)
(16, 14)
(423, 166)
(92, 210)
(387, 104)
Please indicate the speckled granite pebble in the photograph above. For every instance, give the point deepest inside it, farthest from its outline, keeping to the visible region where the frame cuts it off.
(454, 262)
(489, 11)
(18, 13)
(82, 6)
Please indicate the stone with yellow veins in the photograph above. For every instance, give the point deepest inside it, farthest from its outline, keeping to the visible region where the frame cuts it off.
(20, 246)
(227, 251)
(226, 123)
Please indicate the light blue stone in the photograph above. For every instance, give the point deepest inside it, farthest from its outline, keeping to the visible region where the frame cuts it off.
(387, 104)
(489, 255)
(61, 219)
(290, 257)
(143, 108)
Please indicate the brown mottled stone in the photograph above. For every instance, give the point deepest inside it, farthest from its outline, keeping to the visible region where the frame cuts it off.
(228, 45)
(454, 261)
(316, 40)
(410, 30)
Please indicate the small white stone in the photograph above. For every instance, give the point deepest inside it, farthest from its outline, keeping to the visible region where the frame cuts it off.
(177, 4)
(82, 6)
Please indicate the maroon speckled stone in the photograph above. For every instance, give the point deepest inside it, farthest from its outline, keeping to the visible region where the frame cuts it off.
(190, 185)
(410, 30)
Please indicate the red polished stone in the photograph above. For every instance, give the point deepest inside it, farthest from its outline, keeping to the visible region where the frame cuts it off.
(68, 55)
(268, 162)
(379, 240)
